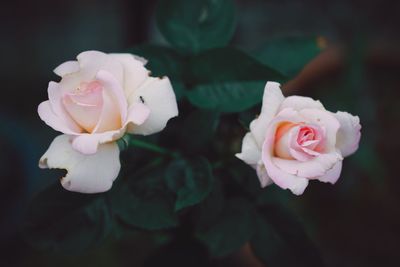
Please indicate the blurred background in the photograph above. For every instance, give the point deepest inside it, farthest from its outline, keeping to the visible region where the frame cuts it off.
(356, 67)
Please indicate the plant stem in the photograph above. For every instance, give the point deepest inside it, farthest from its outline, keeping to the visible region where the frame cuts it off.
(153, 147)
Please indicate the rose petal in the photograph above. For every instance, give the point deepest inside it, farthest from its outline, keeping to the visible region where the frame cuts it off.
(325, 120)
(157, 94)
(86, 173)
(134, 71)
(283, 179)
(332, 175)
(88, 143)
(251, 153)
(348, 136)
(67, 68)
(301, 102)
(138, 114)
(91, 62)
(262, 174)
(310, 169)
(55, 94)
(272, 99)
(47, 115)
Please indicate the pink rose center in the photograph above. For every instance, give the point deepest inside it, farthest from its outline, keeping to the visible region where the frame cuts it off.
(298, 141)
(85, 104)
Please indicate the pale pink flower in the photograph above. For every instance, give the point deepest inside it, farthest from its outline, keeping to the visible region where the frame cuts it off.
(100, 98)
(295, 139)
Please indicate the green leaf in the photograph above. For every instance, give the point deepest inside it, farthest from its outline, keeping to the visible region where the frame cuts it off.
(228, 79)
(163, 61)
(281, 241)
(144, 201)
(64, 221)
(289, 55)
(191, 180)
(196, 25)
(198, 129)
(234, 226)
(229, 64)
(227, 97)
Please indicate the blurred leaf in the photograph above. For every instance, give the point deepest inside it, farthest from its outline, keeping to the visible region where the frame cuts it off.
(208, 211)
(144, 201)
(229, 64)
(228, 80)
(289, 55)
(281, 241)
(163, 61)
(227, 97)
(64, 221)
(198, 129)
(196, 25)
(191, 180)
(232, 228)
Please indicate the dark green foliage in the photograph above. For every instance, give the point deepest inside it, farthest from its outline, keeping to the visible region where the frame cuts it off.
(281, 241)
(198, 129)
(196, 25)
(63, 221)
(230, 230)
(191, 180)
(144, 202)
(289, 55)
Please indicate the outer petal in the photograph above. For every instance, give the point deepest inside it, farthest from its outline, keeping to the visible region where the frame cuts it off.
(91, 62)
(47, 115)
(138, 113)
(301, 102)
(262, 174)
(333, 174)
(251, 153)
(88, 143)
(283, 179)
(67, 68)
(55, 97)
(86, 174)
(348, 136)
(134, 71)
(157, 94)
(313, 168)
(272, 99)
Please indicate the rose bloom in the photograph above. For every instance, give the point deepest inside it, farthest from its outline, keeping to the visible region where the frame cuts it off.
(295, 139)
(99, 98)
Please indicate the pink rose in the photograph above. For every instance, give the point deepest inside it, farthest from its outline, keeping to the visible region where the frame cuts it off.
(100, 98)
(295, 139)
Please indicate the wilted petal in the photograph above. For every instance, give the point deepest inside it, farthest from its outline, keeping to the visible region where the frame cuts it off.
(85, 173)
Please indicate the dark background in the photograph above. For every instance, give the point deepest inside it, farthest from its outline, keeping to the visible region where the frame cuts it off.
(354, 223)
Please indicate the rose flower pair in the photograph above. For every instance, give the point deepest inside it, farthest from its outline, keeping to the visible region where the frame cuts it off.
(102, 96)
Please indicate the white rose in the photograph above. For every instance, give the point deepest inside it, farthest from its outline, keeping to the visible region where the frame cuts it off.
(295, 139)
(100, 98)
